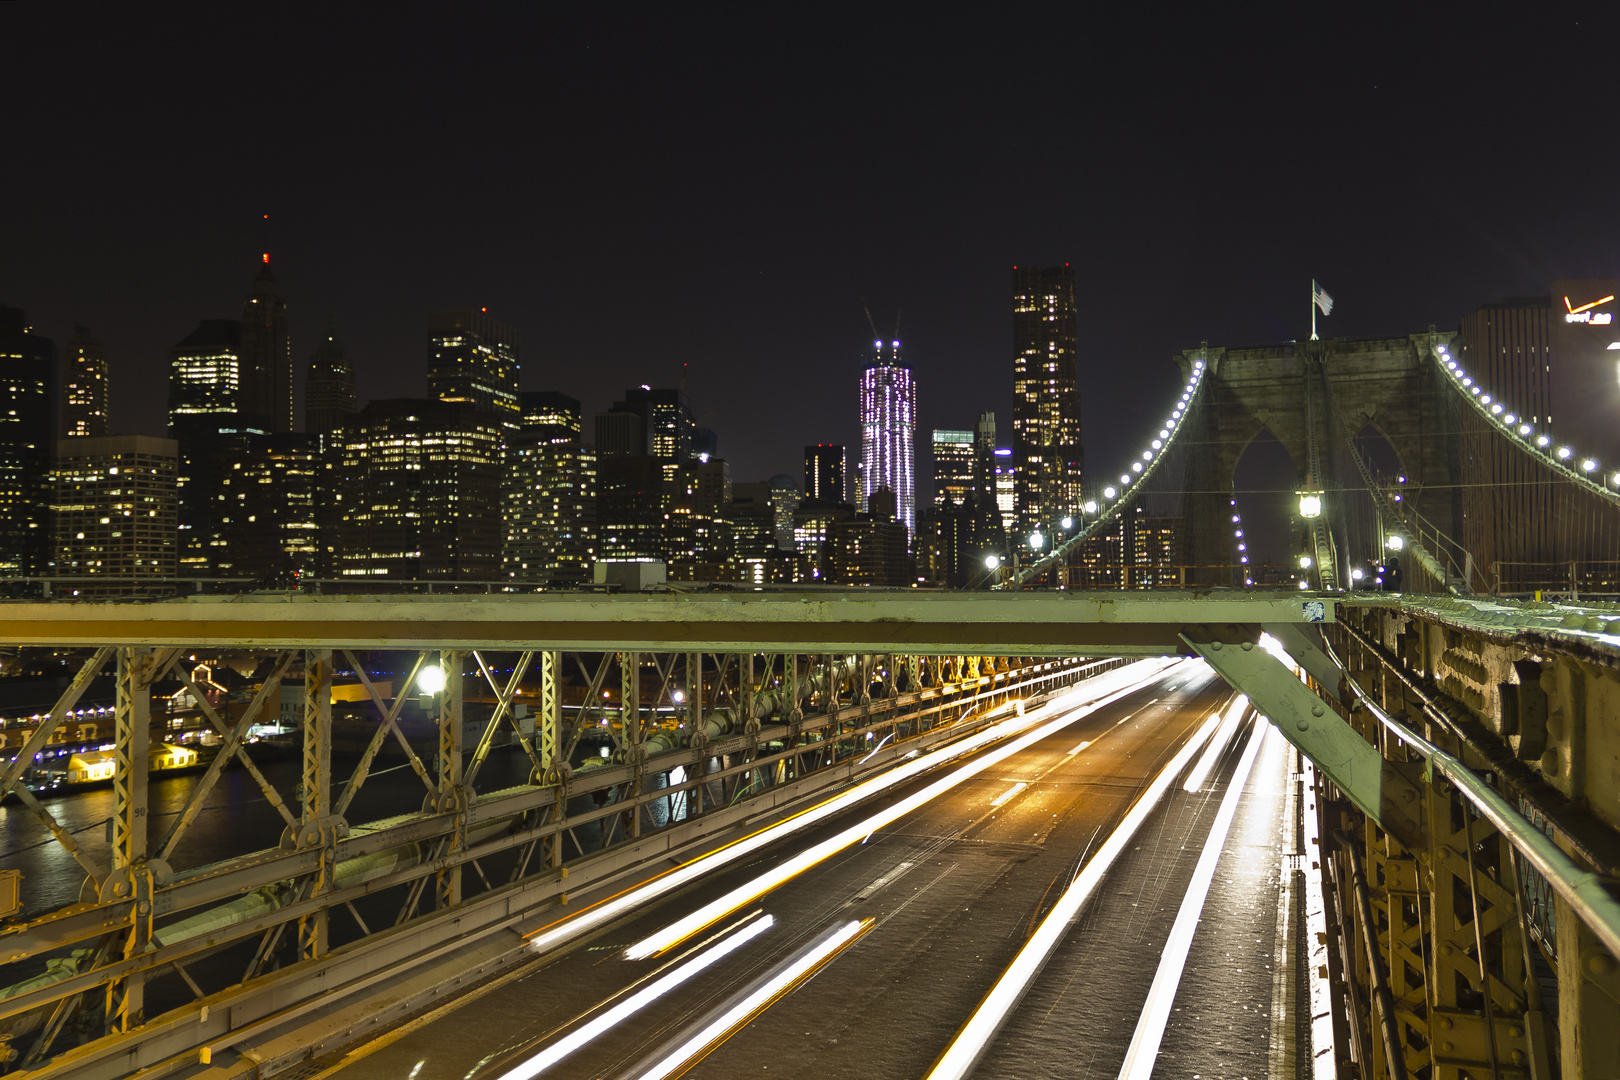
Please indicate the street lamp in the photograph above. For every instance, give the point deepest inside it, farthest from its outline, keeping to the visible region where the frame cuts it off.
(1036, 540)
(1304, 562)
(1090, 507)
(430, 680)
(1394, 543)
(992, 562)
(1068, 522)
(1310, 504)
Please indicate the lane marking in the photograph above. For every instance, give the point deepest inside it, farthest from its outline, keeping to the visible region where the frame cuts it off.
(1009, 793)
(974, 1037)
(886, 879)
(1079, 748)
(1144, 1051)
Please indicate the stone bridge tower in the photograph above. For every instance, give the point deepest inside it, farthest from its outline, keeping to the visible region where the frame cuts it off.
(1291, 390)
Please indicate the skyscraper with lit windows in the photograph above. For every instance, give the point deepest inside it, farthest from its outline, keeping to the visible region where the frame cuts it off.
(888, 407)
(27, 400)
(84, 387)
(1047, 454)
(473, 360)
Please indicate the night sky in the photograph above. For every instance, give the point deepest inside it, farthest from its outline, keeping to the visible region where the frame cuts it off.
(661, 195)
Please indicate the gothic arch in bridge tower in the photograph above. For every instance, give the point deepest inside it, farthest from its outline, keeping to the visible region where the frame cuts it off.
(1293, 391)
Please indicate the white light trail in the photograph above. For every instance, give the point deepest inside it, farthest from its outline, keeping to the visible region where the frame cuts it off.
(1079, 748)
(1001, 800)
(716, 1032)
(1217, 746)
(1100, 687)
(974, 1037)
(1144, 1051)
(678, 931)
(571, 1042)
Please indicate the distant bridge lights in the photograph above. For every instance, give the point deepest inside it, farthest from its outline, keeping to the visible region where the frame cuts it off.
(1588, 465)
(1091, 504)
(1068, 522)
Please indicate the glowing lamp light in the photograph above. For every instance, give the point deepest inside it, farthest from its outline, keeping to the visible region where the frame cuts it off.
(1485, 400)
(677, 696)
(1496, 409)
(1091, 505)
(1395, 543)
(1356, 574)
(1036, 541)
(1565, 453)
(1524, 429)
(991, 562)
(1136, 466)
(1124, 478)
(1304, 584)
(1236, 518)
(1304, 562)
(1067, 523)
(1543, 440)
(1588, 465)
(1109, 492)
(1310, 504)
(430, 680)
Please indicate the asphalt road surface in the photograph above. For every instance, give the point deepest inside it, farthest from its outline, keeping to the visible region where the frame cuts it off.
(942, 900)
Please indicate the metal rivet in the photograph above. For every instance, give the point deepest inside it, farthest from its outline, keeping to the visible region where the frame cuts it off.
(1317, 710)
(1247, 646)
(1215, 645)
(1303, 724)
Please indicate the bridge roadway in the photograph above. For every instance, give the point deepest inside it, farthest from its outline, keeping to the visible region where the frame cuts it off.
(954, 890)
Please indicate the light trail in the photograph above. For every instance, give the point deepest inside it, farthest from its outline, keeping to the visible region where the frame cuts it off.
(578, 1038)
(565, 930)
(710, 913)
(1144, 1051)
(974, 1037)
(719, 1030)
(1217, 746)
(1001, 800)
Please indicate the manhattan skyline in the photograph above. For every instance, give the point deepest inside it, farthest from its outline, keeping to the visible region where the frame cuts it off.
(643, 221)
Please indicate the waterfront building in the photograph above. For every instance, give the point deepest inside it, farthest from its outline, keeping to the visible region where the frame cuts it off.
(419, 490)
(114, 512)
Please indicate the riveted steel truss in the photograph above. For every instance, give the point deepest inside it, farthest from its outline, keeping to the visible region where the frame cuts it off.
(165, 961)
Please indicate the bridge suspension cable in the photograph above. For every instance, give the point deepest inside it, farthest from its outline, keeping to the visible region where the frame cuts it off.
(1116, 497)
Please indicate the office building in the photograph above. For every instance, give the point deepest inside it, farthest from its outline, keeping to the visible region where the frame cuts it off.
(206, 371)
(632, 507)
(1551, 360)
(698, 541)
(550, 416)
(265, 520)
(419, 486)
(549, 508)
(27, 411)
(84, 387)
(114, 512)
(824, 466)
(785, 499)
(870, 549)
(813, 524)
(984, 453)
(953, 466)
(266, 352)
(1046, 401)
(473, 361)
(888, 416)
(329, 391)
(620, 434)
(1004, 481)
(758, 554)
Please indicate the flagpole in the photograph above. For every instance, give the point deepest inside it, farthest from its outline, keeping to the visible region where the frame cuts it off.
(1313, 309)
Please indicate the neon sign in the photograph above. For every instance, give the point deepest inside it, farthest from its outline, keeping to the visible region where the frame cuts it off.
(1585, 314)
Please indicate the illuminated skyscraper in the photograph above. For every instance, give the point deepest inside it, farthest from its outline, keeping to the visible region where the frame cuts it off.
(266, 351)
(888, 401)
(84, 387)
(473, 360)
(1046, 402)
(114, 511)
(824, 466)
(27, 401)
(953, 466)
(329, 394)
(420, 486)
(206, 372)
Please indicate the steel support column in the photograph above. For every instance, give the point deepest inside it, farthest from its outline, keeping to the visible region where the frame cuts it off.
(130, 877)
(451, 795)
(316, 828)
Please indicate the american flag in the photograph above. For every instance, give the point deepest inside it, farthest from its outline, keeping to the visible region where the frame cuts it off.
(1322, 300)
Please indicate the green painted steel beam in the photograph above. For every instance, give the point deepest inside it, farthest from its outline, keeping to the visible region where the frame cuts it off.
(1304, 719)
(1112, 623)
